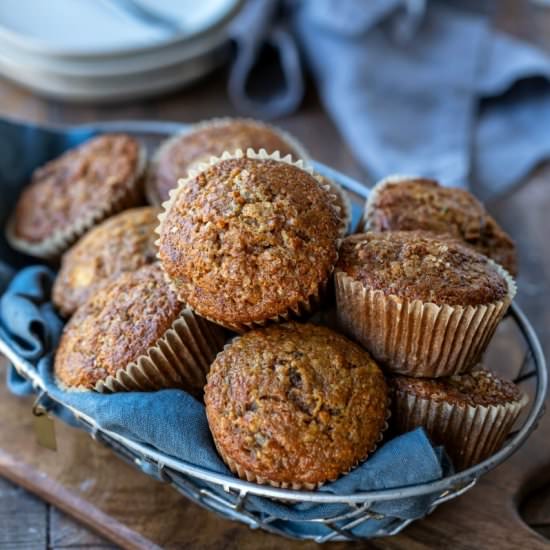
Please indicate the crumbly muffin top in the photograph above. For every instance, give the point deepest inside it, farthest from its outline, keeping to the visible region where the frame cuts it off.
(115, 327)
(479, 387)
(295, 403)
(182, 153)
(424, 204)
(124, 242)
(416, 265)
(247, 239)
(82, 181)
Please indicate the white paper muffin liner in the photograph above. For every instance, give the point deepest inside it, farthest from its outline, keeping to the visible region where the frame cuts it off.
(343, 202)
(418, 338)
(244, 473)
(364, 222)
(300, 309)
(53, 246)
(469, 433)
(151, 191)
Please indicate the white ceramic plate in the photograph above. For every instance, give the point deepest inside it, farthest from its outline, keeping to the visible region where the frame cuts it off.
(98, 90)
(113, 66)
(104, 28)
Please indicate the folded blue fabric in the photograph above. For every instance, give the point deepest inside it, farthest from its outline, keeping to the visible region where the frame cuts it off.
(423, 87)
(175, 423)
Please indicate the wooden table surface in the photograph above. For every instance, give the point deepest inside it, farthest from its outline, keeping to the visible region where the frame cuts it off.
(27, 522)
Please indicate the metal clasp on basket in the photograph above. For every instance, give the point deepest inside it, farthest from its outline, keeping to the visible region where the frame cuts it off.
(44, 426)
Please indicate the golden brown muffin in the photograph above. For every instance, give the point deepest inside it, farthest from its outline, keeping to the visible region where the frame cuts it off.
(416, 203)
(242, 246)
(73, 192)
(134, 334)
(469, 414)
(422, 304)
(124, 242)
(421, 266)
(210, 139)
(295, 405)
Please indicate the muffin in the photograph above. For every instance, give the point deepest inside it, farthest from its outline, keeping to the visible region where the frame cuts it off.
(295, 405)
(249, 239)
(423, 305)
(124, 242)
(469, 414)
(408, 203)
(209, 139)
(134, 334)
(72, 193)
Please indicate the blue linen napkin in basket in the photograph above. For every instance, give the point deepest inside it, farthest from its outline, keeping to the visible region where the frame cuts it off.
(175, 423)
(414, 86)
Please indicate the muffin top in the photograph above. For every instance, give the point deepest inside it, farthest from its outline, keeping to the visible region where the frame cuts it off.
(295, 403)
(416, 265)
(183, 152)
(479, 387)
(115, 326)
(81, 182)
(122, 243)
(424, 204)
(247, 239)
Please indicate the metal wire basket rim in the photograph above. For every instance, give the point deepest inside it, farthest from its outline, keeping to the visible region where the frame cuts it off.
(162, 460)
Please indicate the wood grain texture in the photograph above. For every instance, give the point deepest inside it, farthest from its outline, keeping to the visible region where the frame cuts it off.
(23, 519)
(486, 517)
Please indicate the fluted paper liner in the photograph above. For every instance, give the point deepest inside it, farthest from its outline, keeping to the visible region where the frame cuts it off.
(418, 338)
(469, 433)
(364, 222)
(343, 202)
(243, 473)
(53, 246)
(181, 358)
(300, 309)
(151, 191)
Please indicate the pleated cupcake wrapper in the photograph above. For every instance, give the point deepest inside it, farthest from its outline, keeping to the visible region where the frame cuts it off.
(417, 338)
(181, 358)
(364, 222)
(343, 202)
(151, 190)
(52, 247)
(469, 433)
(300, 309)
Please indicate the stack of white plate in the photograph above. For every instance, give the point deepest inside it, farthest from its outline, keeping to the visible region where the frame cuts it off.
(108, 50)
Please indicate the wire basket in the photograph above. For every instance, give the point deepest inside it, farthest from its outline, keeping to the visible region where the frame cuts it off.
(230, 497)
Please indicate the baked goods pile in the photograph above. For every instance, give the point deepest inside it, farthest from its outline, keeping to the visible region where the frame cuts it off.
(250, 240)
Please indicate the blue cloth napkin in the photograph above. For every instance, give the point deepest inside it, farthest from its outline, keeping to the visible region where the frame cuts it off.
(175, 423)
(417, 86)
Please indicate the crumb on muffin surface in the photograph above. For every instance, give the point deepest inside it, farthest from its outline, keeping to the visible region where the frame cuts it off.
(417, 265)
(296, 403)
(247, 239)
